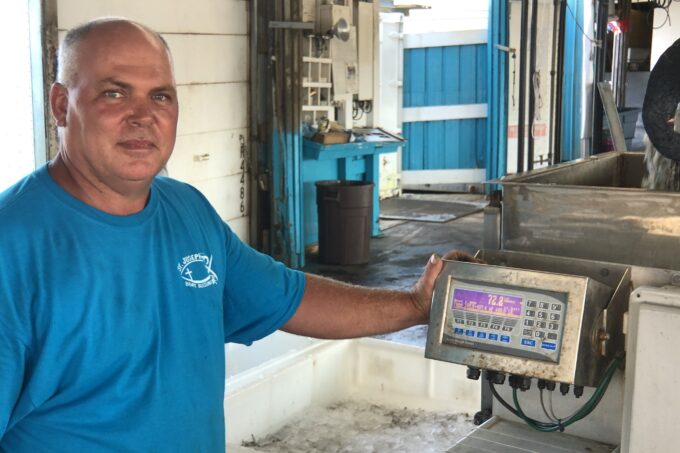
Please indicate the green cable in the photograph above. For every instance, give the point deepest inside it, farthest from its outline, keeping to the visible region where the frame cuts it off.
(585, 410)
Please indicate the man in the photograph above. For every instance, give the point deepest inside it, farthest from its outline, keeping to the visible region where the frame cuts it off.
(119, 289)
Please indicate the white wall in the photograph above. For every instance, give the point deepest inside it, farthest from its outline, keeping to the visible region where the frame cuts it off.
(663, 37)
(209, 43)
(16, 119)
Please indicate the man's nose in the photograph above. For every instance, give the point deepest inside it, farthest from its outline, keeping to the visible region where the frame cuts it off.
(140, 113)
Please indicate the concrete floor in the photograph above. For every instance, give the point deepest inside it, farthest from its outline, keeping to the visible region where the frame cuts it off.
(398, 256)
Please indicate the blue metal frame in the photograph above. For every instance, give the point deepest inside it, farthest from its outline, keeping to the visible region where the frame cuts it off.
(572, 88)
(497, 123)
(287, 191)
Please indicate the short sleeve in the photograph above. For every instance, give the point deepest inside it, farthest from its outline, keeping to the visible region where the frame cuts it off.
(260, 293)
(14, 401)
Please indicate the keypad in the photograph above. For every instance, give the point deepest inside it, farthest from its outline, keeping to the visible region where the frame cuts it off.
(540, 324)
(539, 328)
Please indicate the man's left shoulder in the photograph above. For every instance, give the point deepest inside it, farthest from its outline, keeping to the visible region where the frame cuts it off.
(183, 195)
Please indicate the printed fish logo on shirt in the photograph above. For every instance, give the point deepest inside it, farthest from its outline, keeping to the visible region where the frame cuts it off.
(196, 271)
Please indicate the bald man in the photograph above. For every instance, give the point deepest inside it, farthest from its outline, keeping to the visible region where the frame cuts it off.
(119, 289)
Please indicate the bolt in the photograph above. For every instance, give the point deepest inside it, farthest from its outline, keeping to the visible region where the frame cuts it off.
(603, 336)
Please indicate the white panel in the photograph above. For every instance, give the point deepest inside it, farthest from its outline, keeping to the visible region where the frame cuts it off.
(224, 194)
(206, 156)
(365, 40)
(198, 16)
(16, 131)
(444, 112)
(240, 227)
(208, 108)
(389, 98)
(664, 36)
(209, 58)
(652, 377)
(415, 177)
(443, 39)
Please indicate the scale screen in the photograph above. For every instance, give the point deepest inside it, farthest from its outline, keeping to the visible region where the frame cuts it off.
(486, 302)
(523, 322)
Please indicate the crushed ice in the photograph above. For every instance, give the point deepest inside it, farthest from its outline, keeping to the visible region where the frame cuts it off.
(364, 427)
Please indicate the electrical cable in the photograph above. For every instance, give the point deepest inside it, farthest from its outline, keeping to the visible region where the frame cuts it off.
(505, 403)
(538, 101)
(660, 4)
(550, 401)
(561, 424)
(543, 407)
(595, 42)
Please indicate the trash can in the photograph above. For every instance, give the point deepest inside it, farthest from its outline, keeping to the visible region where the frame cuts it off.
(345, 211)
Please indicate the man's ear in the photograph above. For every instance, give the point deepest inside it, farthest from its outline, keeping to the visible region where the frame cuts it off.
(59, 103)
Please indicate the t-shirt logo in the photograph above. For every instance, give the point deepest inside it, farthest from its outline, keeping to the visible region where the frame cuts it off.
(196, 271)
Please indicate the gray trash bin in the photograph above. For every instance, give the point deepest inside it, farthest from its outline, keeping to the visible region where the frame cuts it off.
(345, 211)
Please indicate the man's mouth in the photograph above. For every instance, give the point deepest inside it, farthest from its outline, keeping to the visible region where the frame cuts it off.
(137, 144)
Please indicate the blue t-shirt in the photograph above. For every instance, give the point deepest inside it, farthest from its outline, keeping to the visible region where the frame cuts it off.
(112, 328)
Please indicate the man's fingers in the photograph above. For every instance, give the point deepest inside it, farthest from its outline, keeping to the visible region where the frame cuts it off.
(432, 269)
(457, 255)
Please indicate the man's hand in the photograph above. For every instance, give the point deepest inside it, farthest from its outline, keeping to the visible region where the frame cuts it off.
(421, 293)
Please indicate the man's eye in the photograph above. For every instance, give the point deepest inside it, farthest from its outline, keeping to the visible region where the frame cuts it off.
(161, 97)
(113, 94)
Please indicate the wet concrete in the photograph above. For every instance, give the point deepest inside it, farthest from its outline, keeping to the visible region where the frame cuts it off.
(399, 255)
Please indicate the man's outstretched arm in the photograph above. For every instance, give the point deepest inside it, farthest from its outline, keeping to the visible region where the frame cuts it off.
(332, 309)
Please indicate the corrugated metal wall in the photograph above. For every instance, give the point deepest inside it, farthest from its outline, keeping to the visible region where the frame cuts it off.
(451, 75)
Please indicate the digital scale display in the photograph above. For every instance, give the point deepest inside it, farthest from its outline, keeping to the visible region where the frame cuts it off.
(522, 323)
(487, 302)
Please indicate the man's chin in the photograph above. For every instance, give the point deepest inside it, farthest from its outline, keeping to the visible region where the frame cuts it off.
(140, 173)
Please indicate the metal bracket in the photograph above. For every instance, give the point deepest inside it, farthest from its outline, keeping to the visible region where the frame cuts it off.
(608, 332)
(291, 25)
(612, 116)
